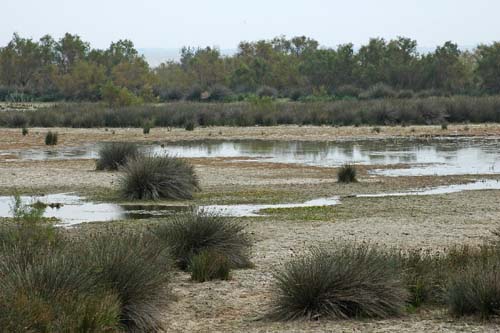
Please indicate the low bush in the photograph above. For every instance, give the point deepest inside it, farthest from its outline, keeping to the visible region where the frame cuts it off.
(344, 282)
(51, 138)
(347, 174)
(111, 281)
(24, 131)
(137, 268)
(158, 177)
(116, 154)
(191, 233)
(209, 265)
(189, 126)
(266, 91)
(53, 293)
(379, 90)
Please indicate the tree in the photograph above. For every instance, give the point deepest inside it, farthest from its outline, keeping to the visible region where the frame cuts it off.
(488, 67)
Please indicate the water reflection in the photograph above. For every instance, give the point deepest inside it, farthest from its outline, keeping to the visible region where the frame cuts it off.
(446, 156)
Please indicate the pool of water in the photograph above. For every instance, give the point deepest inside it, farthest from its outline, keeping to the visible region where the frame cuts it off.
(414, 157)
(72, 209)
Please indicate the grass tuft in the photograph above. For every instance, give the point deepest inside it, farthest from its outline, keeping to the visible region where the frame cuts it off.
(347, 174)
(191, 233)
(209, 265)
(116, 154)
(158, 177)
(51, 138)
(345, 282)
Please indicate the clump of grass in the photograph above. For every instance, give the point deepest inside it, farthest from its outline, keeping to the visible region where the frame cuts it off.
(53, 294)
(345, 282)
(444, 126)
(51, 138)
(189, 126)
(116, 154)
(475, 290)
(137, 268)
(191, 233)
(209, 265)
(158, 177)
(146, 128)
(24, 131)
(347, 174)
(376, 130)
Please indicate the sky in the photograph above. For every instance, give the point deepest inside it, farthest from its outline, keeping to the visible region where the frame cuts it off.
(224, 23)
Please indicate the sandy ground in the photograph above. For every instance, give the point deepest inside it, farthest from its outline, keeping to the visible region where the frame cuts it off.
(433, 222)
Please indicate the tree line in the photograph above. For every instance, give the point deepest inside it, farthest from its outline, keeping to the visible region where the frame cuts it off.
(297, 69)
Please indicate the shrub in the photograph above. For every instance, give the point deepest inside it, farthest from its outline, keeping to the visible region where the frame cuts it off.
(219, 93)
(116, 96)
(376, 130)
(444, 126)
(24, 131)
(348, 281)
(146, 128)
(194, 94)
(379, 90)
(347, 174)
(475, 290)
(158, 177)
(266, 91)
(347, 91)
(51, 138)
(209, 265)
(116, 154)
(53, 294)
(189, 126)
(172, 94)
(404, 94)
(191, 233)
(136, 268)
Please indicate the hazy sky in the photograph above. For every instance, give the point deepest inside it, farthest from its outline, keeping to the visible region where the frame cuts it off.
(223, 23)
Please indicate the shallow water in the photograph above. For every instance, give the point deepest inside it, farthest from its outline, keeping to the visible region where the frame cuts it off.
(444, 156)
(490, 184)
(75, 210)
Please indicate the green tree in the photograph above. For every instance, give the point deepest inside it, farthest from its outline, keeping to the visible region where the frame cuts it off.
(488, 67)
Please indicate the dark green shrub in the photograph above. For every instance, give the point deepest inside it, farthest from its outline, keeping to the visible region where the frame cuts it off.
(347, 174)
(189, 126)
(379, 90)
(116, 154)
(51, 138)
(158, 177)
(347, 91)
(444, 126)
(189, 234)
(209, 265)
(405, 94)
(194, 94)
(219, 93)
(146, 128)
(24, 131)
(266, 91)
(345, 282)
(169, 95)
